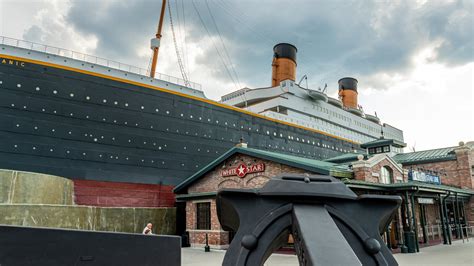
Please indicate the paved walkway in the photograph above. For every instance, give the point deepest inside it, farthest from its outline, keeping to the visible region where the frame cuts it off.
(458, 254)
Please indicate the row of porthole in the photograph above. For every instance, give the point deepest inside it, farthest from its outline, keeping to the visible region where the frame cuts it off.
(209, 120)
(114, 139)
(167, 129)
(168, 112)
(15, 146)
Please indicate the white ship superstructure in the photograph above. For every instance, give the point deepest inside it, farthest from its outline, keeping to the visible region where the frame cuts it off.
(289, 102)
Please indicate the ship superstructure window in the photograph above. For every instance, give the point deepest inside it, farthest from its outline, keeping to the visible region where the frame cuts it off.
(203, 216)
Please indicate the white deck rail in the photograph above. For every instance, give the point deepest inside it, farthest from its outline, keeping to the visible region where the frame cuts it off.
(93, 59)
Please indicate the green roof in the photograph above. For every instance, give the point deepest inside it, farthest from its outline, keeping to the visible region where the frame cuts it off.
(411, 185)
(381, 142)
(428, 156)
(316, 166)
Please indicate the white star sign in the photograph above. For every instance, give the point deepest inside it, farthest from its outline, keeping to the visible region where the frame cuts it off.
(241, 170)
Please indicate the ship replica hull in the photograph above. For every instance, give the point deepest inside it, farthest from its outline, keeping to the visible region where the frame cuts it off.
(79, 125)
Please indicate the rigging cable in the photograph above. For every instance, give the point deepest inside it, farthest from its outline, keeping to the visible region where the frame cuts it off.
(223, 44)
(212, 40)
(180, 33)
(180, 63)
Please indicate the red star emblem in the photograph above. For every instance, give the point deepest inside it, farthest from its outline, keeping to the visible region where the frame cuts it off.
(242, 170)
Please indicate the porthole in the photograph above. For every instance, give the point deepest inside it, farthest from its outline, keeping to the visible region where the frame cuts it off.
(36, 128)
(71, 95)
(88, 98)
(68, 152)
(126, 104)
(156, 110)
(51, 150)
(13, 105)
(16, 146)
(53, 130)
(142, 107)
(55, 92)
(37, 88)
(34, 148)
(18, 85)
(24, 106)
(104, 101)
(69, 132)
(115, 102)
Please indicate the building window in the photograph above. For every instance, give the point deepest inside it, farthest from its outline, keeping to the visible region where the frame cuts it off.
(378, 150)
(203, 216)
(386, 175)
(386, 148)
(371, 150)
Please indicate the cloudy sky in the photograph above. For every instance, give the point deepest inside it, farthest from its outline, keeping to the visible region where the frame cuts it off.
(414, 59)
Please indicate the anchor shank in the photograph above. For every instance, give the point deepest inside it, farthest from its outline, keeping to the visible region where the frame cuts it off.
(318, 240)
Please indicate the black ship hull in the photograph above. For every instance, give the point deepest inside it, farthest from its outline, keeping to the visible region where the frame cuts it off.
(85, 126)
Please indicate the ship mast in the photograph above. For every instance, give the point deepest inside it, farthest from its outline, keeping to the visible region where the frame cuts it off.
(155, 42)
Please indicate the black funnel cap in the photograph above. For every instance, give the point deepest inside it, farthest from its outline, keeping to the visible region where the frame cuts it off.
(348, 83)
(285, 50)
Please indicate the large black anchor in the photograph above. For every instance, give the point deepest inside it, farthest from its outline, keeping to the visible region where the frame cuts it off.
(330, 224)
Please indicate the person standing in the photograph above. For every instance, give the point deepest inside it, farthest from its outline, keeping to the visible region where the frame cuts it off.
(147, 229)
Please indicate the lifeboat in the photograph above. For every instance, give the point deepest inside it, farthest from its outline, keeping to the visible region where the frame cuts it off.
(318, 96)
(372, 118)
(355, 111)
(335, 102)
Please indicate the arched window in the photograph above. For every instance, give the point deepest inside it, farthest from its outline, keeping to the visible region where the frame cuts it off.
(386, 175)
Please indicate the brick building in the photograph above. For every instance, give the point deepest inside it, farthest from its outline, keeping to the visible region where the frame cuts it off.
(380, 171)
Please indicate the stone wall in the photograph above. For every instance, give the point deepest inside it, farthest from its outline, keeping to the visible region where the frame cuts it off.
(33, 188)
(131, 220)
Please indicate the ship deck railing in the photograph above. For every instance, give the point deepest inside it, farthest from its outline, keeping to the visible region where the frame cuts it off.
(94, 60)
